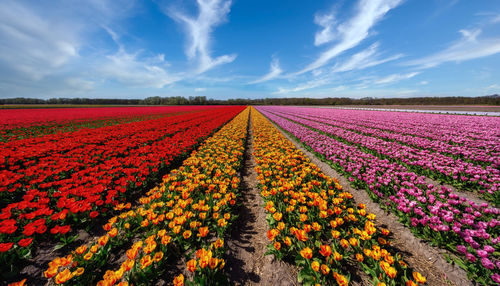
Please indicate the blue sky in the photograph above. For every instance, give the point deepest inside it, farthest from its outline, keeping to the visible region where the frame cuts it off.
(249, 49)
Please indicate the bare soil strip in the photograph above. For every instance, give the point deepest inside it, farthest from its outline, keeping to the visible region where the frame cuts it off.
(247, 263)
(423, 257)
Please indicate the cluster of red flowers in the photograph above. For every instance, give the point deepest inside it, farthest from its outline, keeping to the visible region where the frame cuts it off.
(48, 182)
(190, 210)
(14, 118)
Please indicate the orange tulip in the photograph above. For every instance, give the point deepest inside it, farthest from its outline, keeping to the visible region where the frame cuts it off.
(325, 250)
(146, 261)
(325, 269)
(419, 278)
(179, 280)
(306, 253)
(191, 265)
(315, 266)
(337, 256)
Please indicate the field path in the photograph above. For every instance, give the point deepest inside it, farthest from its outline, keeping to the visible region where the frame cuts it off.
(247, 263)
(424, 258)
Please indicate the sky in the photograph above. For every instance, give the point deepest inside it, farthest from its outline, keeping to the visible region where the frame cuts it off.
(225, 49)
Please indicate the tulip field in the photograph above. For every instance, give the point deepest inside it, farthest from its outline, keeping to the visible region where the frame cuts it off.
(390, 161)
(151, 195)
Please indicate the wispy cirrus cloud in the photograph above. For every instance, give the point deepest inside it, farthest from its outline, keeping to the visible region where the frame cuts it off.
(274, 71)
(211, 13)
(469, 46)
(314, 83)
(328, 33)
(393, 78)
(364, 59)
(131, 70)
(329, 80)
(496, 19)
(32, 45)
(351, 32)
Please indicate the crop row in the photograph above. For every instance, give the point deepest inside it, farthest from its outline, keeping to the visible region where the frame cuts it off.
(467, 131)
(16, 118)
(70, 196)
(464, 175)
(483, 156)
(316, 223)
(450, 221)
(185, 216)
(23, 132)
(21, 154)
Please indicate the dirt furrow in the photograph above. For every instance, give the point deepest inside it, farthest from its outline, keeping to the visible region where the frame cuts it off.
(246, 262)
(423, 257)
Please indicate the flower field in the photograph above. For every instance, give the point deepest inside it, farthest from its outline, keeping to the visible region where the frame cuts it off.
(152, 195)
(53, 185)
(315, 222)
(467, 229)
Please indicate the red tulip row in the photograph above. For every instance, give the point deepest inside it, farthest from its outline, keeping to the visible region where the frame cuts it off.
(22, 154)
(80, 185)
(189, 211)
(27, 123)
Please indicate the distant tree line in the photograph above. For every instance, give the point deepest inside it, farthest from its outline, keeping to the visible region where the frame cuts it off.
(202, 100)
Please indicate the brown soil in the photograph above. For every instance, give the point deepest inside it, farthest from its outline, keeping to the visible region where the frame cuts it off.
(432, 107)
(422, 257)
(46, 252)
(247, 263)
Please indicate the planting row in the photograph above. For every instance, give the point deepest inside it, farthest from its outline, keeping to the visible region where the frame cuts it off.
(314, 222)
(464, 175)
(79, 186)
(185, 216)
(21, 155)
(484, 156)
(21, 124)
(468, 131)
(466, 229)
(14, 118)
(18, 133)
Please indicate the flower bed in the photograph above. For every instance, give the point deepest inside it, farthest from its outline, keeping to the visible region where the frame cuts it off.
(452, 222)
(187, 215)
(72, 188)
(316, 223)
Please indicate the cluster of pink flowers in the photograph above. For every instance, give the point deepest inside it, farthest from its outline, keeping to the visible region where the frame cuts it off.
(434, 212)
(435, 164)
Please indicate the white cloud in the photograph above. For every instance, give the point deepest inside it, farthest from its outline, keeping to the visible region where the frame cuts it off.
(353, 31)
(33, 45)
(364, 59)
(211, 14)
(80, 84)
(274, 72)
(200, 89)
(469, 47)
(496, 20)
(327, 34)
(394, 78)
(304, 86)
(128, 69)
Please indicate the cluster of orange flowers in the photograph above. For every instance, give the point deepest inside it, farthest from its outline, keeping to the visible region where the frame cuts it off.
(191, 209)
(312, 220)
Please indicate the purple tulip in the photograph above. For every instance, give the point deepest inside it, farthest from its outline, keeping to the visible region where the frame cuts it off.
(462, 249)
(496, 277)
(487, 263)
(470, 257)
(482, 253)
